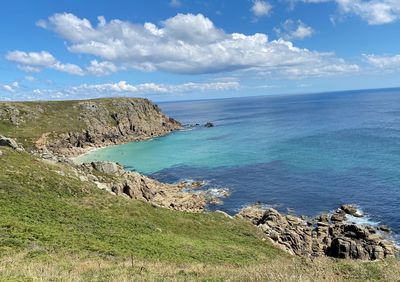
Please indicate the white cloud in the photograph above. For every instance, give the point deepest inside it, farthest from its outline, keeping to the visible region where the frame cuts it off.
(35, 61)
(261, 8)
(123, 88)
(373, 11)
(187, 44)
(294, 30)
(175, 3)
(383, 61)
(12, 87)
(101, 68)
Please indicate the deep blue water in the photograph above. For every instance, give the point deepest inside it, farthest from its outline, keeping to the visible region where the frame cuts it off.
(307, 153)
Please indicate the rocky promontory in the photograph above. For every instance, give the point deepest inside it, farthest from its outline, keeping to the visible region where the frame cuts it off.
(326, 235)
(69, 128)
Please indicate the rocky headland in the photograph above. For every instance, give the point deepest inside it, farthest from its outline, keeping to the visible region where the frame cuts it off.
(70, 128)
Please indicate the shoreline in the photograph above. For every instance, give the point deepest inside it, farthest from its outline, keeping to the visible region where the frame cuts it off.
(91, 149)
(368, 221)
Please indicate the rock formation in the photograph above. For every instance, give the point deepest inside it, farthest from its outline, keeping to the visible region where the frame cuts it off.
(322, 236)
(114, 179)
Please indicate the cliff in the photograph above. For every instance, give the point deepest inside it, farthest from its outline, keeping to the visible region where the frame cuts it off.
(70, 127)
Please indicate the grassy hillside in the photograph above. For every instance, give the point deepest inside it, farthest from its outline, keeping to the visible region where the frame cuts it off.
(53, 226)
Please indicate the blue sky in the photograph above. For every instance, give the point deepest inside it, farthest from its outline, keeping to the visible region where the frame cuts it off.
(181, 49)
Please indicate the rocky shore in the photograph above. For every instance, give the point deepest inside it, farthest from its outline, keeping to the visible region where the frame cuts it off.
(326, 235)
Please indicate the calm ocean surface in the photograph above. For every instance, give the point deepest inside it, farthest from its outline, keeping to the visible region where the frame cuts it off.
(306, 153)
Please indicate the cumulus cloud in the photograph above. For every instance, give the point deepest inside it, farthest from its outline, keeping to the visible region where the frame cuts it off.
(35, 61)
(101, 68)
(185, 43)
(375, 12)
(291, 30)
(261, 8)
(123, 88)
(383, 61)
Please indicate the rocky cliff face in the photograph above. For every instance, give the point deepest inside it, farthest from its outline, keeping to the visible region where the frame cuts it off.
(68, 128)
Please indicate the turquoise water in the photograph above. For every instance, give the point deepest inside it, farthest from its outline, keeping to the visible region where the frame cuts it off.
(308, 153)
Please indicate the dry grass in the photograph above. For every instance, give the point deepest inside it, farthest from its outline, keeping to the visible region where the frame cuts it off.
(24, 266)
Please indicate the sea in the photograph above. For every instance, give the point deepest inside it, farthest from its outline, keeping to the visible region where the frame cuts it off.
(304, 154)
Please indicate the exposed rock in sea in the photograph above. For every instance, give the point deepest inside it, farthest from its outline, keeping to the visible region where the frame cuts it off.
(209, 124)
(351, 210)
(326, 237)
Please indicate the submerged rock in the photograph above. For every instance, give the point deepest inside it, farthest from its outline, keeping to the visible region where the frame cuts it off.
(329, 237)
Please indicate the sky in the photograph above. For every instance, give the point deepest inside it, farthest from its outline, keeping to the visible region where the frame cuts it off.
(181, 50)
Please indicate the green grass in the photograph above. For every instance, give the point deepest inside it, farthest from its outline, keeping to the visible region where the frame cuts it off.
(55, 227)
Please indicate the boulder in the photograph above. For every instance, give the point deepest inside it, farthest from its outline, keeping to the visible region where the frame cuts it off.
(351, 210)
(323, 218)
(347, 249)
(8, 142)
(384, 228)
(209, 124)
(252, 213)
(338, 216)
(107, 167)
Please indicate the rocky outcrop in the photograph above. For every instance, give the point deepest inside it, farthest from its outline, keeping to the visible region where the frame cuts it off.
(321, 236)
(114, 179)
